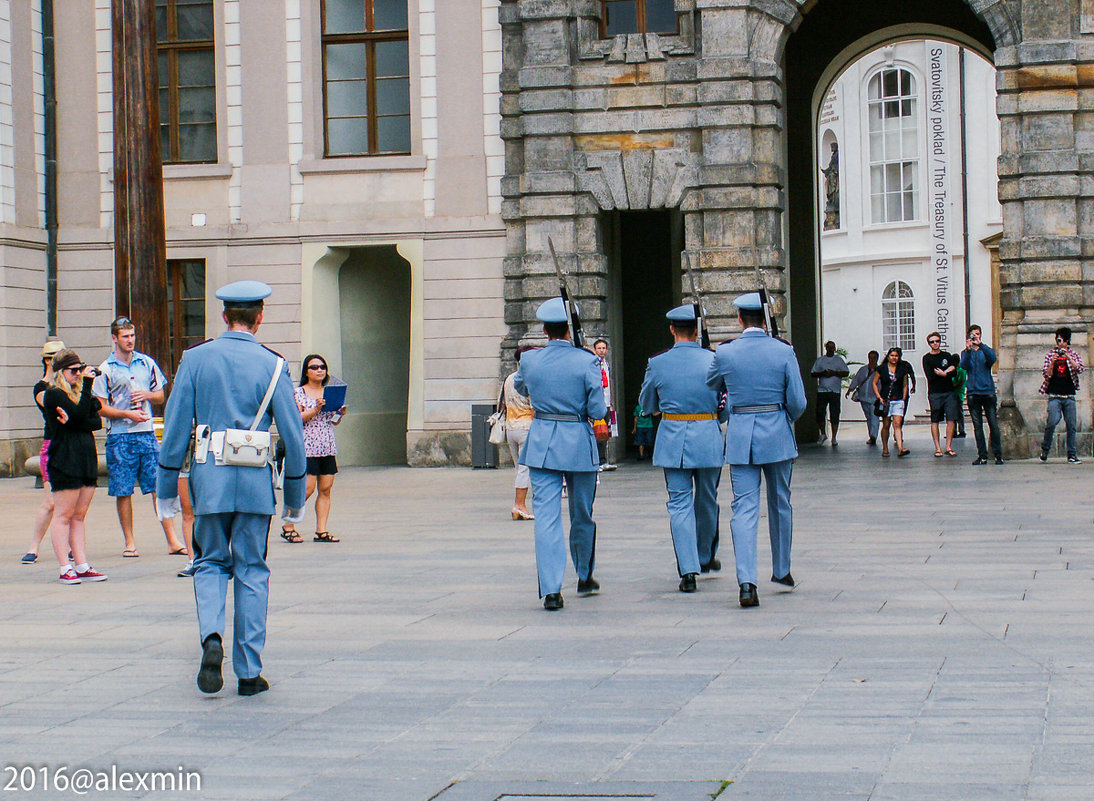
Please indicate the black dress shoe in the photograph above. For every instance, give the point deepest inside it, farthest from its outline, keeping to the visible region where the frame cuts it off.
(210, 679)
(588, 586)
(999, 460)
(253, 686)
(553, 601)
(749, 596)
(687, 583)
(980, 460)
(788, 580)
(713, 564)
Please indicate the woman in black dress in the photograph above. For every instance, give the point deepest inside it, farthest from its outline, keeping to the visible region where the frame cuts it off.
(891, 385)
(73, 462)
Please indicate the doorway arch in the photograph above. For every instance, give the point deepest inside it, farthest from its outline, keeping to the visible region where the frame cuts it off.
(831, 35)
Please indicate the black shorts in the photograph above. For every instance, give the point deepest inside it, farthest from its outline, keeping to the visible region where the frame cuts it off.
(322, 465)
(943, 406)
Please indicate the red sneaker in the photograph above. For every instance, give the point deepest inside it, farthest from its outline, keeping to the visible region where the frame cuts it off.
(69, 577)
(91, 575)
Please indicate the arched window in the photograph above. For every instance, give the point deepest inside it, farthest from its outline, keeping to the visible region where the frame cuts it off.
(894, 146)
(898, 316)
(637, 16)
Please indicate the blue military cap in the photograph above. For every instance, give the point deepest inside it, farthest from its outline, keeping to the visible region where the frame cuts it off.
(749, 302)
(244, 293)
(682, 314)
(552, 311)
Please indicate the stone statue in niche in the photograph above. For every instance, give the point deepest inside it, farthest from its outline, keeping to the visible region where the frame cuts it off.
(831, 190)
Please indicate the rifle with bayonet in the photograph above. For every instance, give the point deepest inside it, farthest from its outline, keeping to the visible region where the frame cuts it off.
(769, 316)
(697, 304)
(572, 314)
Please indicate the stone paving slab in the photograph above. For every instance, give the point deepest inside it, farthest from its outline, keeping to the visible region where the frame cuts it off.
(937, 647)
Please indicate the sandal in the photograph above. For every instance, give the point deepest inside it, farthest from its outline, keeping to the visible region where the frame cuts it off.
(290, 534)
(325, 536)
(951, 453)
(938, 454)
(128, 553)
(885, 454)
(904, 452)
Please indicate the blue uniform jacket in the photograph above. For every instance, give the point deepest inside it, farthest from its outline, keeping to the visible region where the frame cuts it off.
(675, 382)
(221, 384)
(561, 379)
(757, 370)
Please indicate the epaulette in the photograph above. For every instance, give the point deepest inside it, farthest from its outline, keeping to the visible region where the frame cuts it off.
(727, 341)
(666, 350)
(274, 352)
(198, 345)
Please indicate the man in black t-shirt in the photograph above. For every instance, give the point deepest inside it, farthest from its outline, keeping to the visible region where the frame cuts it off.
(939, 368)
(1061, 381)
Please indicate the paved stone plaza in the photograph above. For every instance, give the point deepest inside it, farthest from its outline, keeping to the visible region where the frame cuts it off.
(938, 648)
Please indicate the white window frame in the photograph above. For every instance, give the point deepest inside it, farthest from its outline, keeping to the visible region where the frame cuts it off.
(898, 316)
(907, 160)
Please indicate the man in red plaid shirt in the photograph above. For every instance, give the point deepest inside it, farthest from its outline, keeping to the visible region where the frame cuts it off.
(1061, 371)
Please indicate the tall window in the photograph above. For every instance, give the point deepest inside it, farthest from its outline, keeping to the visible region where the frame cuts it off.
(894, 146)
(185, 306)
(188, 102)
(898, 316)
(366, 77)
(637, 16)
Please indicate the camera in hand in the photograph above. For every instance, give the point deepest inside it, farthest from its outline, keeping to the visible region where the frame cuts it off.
(95, 371)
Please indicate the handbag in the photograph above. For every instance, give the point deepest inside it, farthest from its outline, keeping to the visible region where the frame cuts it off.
(601, 430)
(497, 427)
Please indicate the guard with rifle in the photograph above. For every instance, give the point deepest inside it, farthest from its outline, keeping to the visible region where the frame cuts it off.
(689, 444)
(564, 384)
(765, 395)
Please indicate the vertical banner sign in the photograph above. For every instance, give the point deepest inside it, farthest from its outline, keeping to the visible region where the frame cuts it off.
(938, 190)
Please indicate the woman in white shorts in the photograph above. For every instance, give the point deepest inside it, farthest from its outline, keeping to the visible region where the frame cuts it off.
(891, 384)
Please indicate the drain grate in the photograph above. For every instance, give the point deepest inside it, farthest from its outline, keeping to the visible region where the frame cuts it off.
(586, 791)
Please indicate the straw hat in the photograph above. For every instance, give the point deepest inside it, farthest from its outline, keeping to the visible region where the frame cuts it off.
(51, 348)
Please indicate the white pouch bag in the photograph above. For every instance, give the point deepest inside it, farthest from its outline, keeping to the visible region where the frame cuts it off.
(250, 447)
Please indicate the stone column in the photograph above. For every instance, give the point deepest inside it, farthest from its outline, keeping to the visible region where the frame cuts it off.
(734, 228)
(541, 200)
(1046, 184)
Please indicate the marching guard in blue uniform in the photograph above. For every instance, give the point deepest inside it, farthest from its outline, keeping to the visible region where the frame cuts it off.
(765, 397)
(689, 444)
(230, 388)
(564, 384)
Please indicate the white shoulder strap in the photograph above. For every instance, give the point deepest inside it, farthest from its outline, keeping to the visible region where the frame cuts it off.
(269, 392)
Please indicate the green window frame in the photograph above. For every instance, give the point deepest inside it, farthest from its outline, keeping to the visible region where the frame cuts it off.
(638, 16)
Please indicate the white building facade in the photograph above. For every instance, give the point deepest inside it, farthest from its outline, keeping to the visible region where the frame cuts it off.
(914, 190)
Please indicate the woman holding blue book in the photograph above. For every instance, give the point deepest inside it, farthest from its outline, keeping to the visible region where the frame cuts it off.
(319, 445)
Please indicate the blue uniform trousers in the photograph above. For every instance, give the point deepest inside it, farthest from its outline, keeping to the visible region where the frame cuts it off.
(746, 516)
(693, 515)
(550, 543)
(233, 545)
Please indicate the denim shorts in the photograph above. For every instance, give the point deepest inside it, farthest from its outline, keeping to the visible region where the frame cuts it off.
(132, 459)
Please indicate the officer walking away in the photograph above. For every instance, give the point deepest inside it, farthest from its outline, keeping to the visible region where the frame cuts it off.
(829, 370)
(689, 446)
(130, 382)
(765, 397)
(567, 392)
(230, 388)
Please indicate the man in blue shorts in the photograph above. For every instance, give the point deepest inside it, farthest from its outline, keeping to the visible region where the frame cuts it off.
(130, 383)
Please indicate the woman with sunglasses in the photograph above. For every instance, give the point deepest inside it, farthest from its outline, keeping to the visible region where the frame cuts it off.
(319, 445)
(73, 462)
(891, 386)
(45, 512)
